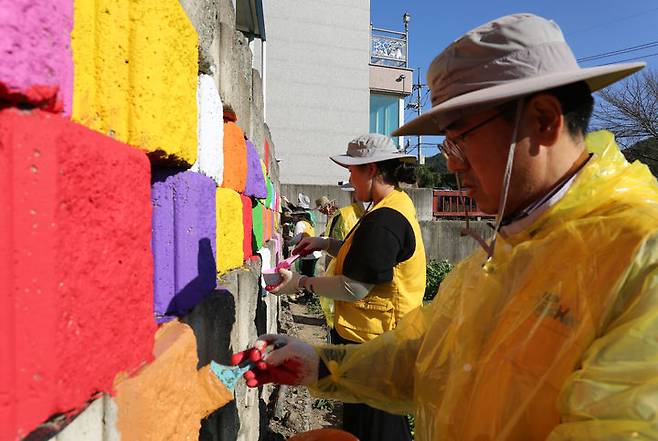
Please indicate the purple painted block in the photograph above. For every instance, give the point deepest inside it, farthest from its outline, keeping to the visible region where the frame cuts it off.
(255, 180)
(35, 49)
(184, 235)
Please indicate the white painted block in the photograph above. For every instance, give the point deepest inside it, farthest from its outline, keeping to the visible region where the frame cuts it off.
(210, 130)
(88, 426)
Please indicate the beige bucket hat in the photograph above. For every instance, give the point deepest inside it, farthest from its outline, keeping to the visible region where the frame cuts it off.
(504, 59)
(373, 147)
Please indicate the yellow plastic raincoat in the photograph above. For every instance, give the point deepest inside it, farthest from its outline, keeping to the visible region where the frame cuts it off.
(556, 338)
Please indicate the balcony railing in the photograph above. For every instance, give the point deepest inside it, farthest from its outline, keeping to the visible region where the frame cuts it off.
(388, 48)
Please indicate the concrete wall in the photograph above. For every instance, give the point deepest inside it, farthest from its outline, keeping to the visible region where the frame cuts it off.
(317, 83)
(117, 178)
(421, 197)
(441, 238)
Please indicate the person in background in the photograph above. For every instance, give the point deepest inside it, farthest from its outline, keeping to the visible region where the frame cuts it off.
(327, 207)
(345, 218)
(304, 227)
(379, 267)
(338, 227)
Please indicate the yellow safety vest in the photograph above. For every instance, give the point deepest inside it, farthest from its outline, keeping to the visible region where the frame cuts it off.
(387, 302)
(349, 217)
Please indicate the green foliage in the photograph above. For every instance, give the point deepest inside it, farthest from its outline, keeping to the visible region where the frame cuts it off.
(412, 425)
(436, 272)
(323, 404)
(434, 173)
(313, 305)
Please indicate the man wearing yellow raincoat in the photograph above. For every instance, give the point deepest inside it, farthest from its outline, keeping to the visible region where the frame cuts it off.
(550, 331)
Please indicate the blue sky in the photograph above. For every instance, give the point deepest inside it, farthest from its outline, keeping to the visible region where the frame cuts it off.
(591, 27)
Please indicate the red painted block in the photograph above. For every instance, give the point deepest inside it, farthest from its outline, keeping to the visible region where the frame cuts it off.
(246, 222)
(76, 270)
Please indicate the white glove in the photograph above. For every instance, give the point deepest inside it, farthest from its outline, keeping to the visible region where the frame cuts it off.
(309, 244)
(289, 284)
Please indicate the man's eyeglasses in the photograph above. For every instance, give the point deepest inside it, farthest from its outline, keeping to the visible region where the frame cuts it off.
(450, 148)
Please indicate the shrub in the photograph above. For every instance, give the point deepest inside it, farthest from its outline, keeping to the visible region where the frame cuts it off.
(436, 272)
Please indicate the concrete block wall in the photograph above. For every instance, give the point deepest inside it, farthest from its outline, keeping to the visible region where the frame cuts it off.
(442, 239)
(134, 159)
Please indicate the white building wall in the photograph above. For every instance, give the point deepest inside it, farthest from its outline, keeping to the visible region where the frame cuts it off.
(317, 83)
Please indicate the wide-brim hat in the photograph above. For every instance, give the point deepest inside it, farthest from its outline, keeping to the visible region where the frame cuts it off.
(373, 147)
(505, 59)
(303, 201)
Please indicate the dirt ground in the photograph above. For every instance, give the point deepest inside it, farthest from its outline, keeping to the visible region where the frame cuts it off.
(294, 410)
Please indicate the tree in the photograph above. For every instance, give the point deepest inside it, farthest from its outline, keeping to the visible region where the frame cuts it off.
(630, 109)
(644, 151)
(434, 173)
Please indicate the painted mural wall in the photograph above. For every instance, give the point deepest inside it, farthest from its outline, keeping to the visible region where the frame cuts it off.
(129, 191)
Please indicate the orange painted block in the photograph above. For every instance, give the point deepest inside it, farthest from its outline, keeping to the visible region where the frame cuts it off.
(235, 157)
(168, 398)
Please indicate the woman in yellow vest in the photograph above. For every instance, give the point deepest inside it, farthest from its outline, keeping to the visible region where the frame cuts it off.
(379, 272)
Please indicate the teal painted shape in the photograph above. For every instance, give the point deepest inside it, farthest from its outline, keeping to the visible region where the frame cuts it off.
(228, 375)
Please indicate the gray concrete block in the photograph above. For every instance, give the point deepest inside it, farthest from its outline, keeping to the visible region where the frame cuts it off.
(110, 431)
(87, 426)
(226, 10)
(422, 199)
(314, 192)
(204, 17)
(227, 70)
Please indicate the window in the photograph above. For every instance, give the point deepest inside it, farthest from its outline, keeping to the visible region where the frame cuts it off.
(384, 113)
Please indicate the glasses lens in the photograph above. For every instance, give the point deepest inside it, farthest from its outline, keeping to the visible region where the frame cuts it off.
(451, 150)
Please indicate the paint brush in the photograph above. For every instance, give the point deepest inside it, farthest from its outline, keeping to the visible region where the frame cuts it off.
(272, 277)
(229, 375)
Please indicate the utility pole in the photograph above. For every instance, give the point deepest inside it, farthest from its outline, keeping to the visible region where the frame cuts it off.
(417, 88)
(419, 110)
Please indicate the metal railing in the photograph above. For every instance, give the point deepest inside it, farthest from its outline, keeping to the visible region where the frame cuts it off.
(451, 203)
(388, 48)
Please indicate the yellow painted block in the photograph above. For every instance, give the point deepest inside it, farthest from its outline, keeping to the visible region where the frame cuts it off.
(136, 74)
(230, 231)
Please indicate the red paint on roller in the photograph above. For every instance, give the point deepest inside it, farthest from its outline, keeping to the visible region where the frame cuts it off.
(76, 271)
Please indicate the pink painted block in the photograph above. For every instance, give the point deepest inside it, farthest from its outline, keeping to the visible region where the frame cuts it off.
(35, 48)
(76, 270)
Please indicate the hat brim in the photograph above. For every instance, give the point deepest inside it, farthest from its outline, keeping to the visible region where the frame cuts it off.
(346, 160)
(435, 120)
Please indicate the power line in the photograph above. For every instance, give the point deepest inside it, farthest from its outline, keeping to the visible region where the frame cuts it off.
(619, 52)
(615, 21)
(641, 57)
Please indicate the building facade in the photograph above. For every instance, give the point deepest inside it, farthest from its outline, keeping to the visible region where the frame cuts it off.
(317, 81)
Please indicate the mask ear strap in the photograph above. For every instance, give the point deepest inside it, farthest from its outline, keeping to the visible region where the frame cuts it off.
(489, 248)
(508, 175)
